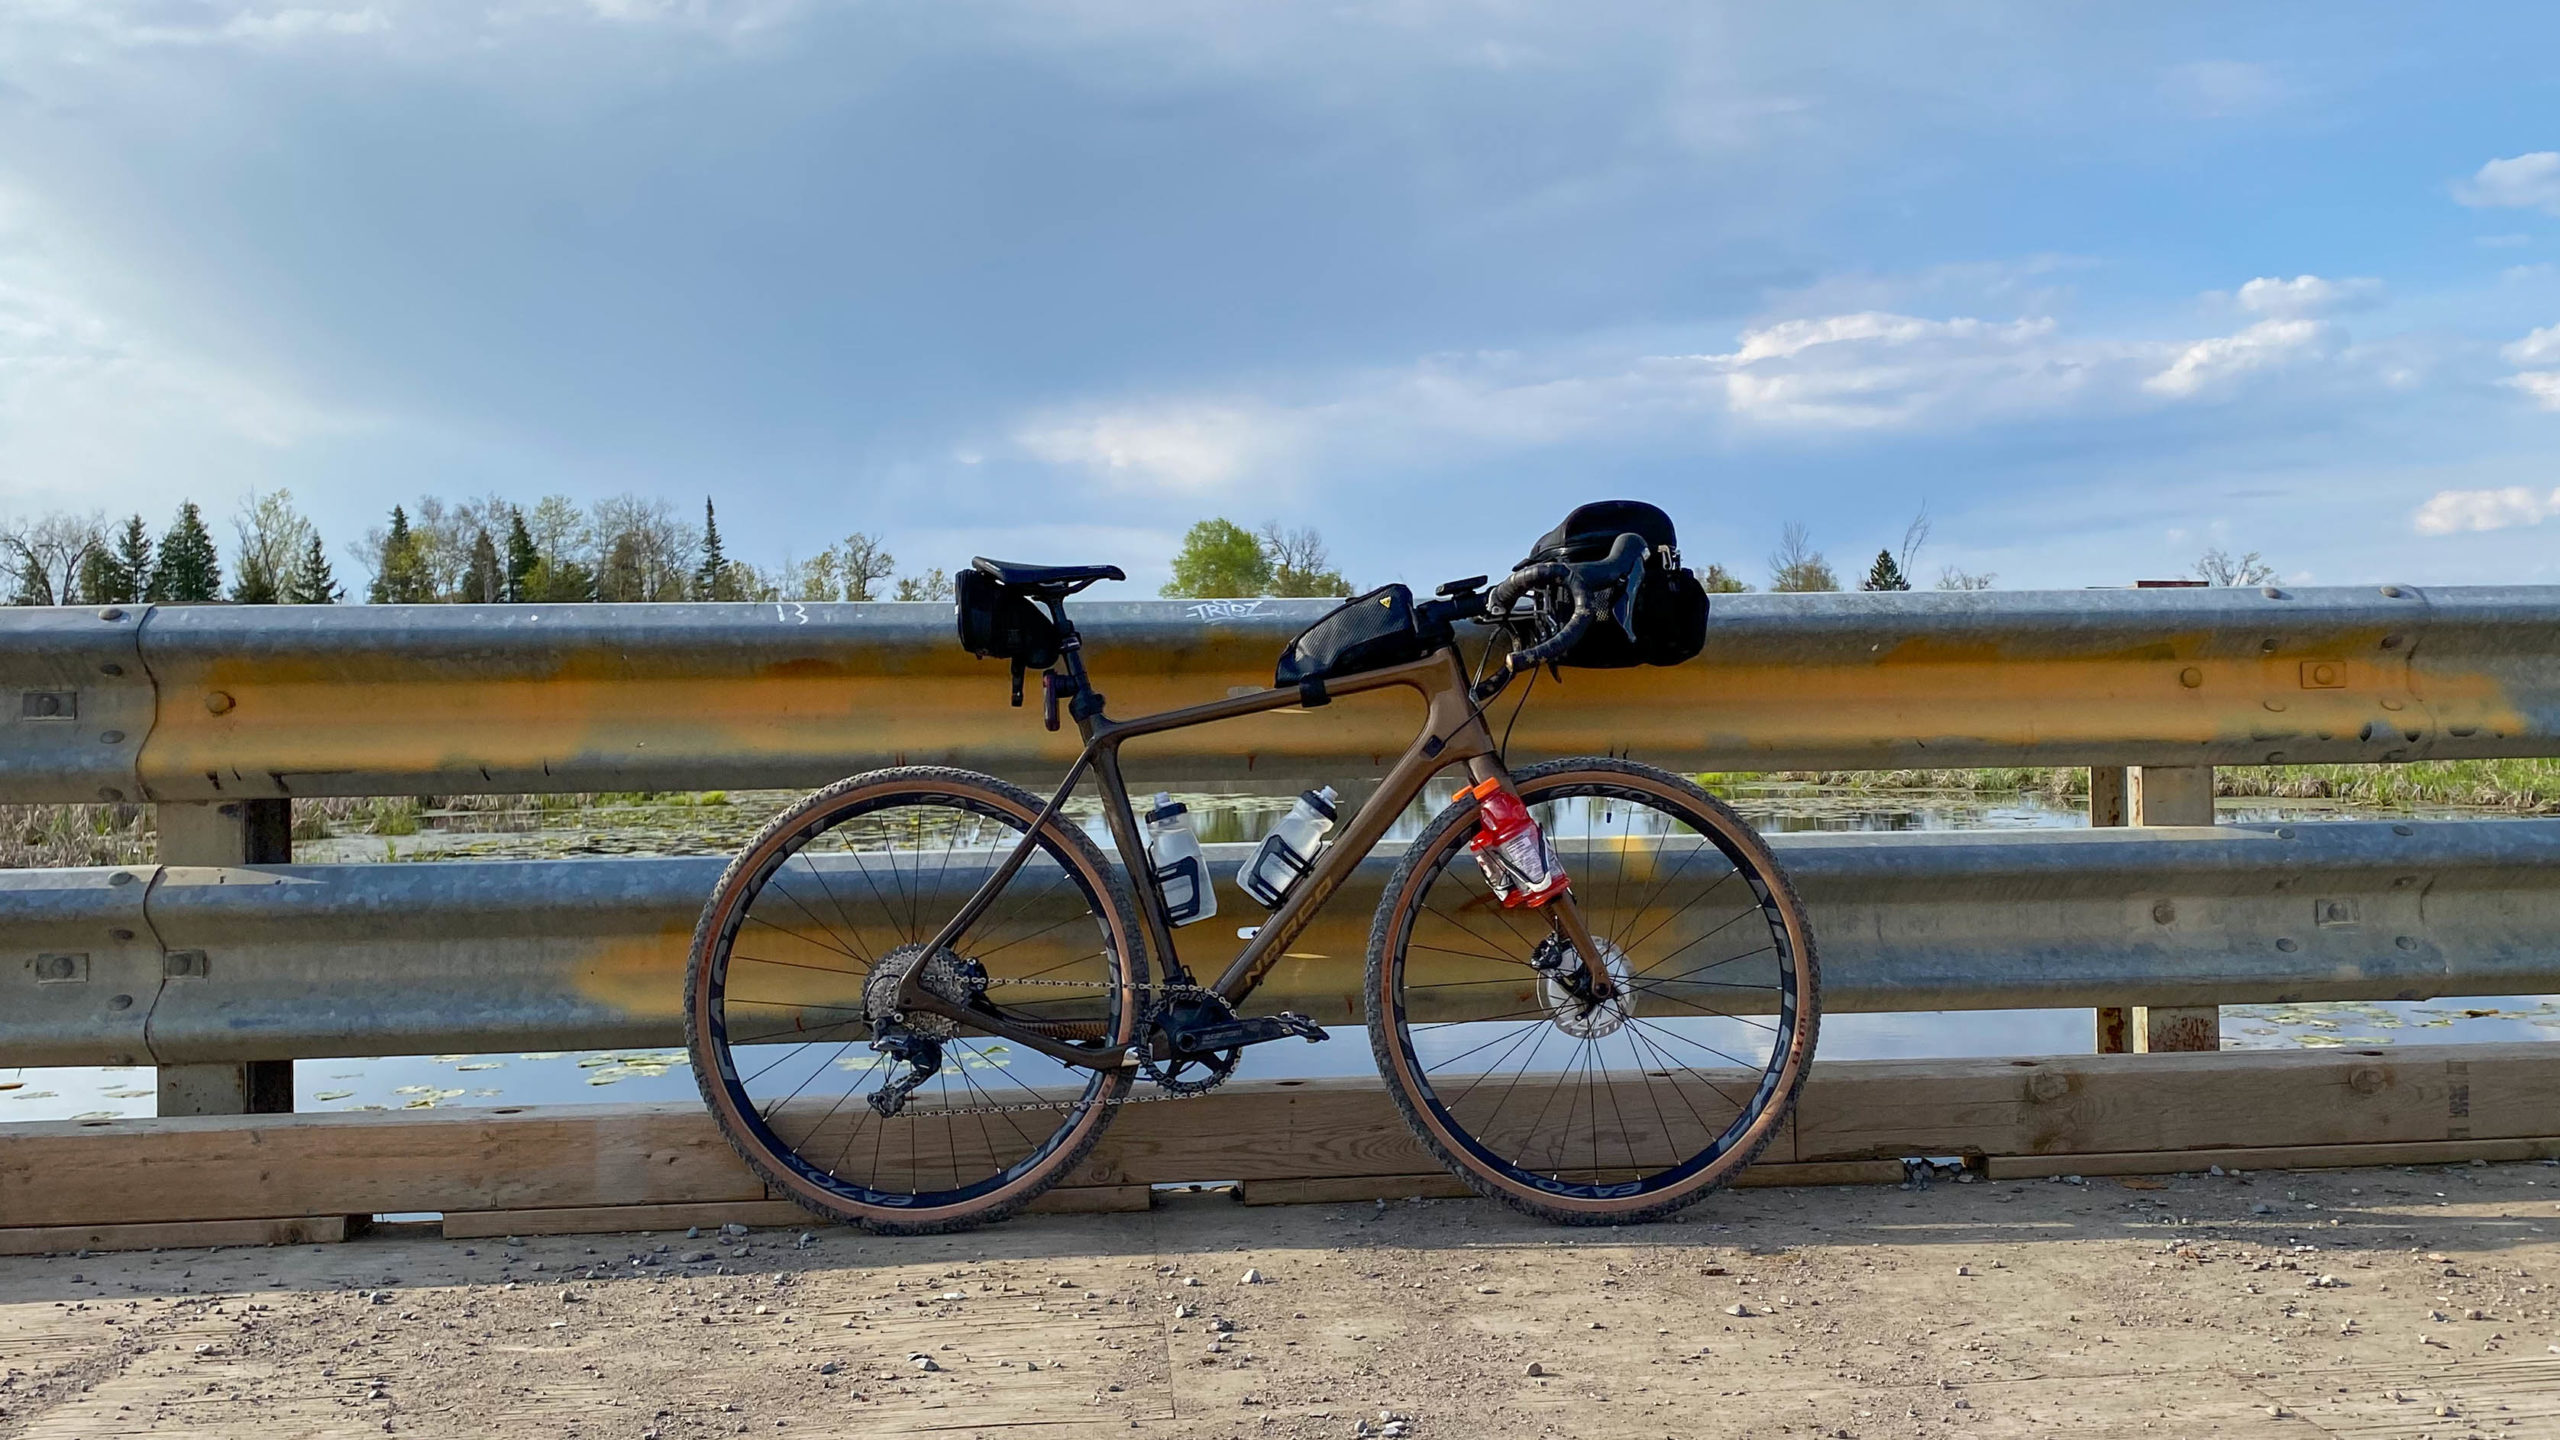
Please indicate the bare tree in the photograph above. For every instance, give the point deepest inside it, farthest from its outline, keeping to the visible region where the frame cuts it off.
(864, 563)
(1951, 578)
(1795, 566)
(42, 559)
(643, 550)
(273, 536)
(560, 532)
(1914, 535)
(1299, 564)
(2216, 567)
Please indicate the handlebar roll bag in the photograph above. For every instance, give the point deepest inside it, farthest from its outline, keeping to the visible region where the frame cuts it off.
(1670, 608)
(1000, 623)
(1366, 632)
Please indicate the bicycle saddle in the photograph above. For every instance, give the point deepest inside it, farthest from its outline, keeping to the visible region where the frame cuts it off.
(1038, 577)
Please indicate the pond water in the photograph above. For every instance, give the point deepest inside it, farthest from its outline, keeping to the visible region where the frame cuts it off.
(685, 826)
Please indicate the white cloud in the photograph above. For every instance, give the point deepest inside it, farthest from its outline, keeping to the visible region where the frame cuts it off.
(89, 398)
(2519, 182)
(2542, 386)
(2534, 348)
(1183, 446)
(2306, 295)
(2266, 345)
(2450, 512)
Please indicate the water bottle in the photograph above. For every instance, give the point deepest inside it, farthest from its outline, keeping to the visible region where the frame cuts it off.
(1182, 875)
(1289, 850)
(1517, 860)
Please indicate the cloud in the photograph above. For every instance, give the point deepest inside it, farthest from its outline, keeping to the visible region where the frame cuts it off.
(2534, 348)
(89, 397)
(2306, 295)
(2519, 182)
(2542, 386)
(2207, 364)
(2450, 512)
(1189, 447)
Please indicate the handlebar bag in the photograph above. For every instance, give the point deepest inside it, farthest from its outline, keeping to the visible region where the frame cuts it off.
(998, 623)
(1671, 606)
(1363, 633)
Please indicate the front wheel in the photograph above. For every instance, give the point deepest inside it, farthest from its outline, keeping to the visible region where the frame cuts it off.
(1629, 1110)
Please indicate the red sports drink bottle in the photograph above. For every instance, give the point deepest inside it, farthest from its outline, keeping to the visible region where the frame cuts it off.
(1517, 860)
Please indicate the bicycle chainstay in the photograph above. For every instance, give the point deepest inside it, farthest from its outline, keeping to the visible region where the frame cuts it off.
(1158, 995)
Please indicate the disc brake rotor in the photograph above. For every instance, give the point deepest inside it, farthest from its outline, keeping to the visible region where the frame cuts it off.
(1590, 1022)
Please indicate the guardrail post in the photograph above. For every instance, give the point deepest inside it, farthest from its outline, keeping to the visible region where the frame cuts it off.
(230, 832)
(2174, 795)
(2111, 804)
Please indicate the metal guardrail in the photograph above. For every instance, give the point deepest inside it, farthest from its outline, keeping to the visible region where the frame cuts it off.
(258, 963)
(223, 702)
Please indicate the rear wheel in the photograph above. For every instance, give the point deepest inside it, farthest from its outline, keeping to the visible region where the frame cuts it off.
(793, 971)
(1630, 1110)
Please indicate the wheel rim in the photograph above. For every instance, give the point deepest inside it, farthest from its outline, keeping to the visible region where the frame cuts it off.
(1594, 1108)
(822, 907)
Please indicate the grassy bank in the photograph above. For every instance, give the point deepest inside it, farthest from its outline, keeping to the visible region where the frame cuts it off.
(2525, 787)
(49, 836)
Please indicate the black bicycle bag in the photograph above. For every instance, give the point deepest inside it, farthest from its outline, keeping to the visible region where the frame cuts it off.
(1367, 632)
(1670, 608)
(999, 623)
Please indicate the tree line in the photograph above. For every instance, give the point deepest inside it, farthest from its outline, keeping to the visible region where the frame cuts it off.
(630, 549)
(430, 551)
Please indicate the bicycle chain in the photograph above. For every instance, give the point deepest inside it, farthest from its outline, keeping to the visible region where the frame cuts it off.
(1022, 1106)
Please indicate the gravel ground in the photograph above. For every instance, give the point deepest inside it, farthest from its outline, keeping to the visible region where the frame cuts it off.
(2355, 1303)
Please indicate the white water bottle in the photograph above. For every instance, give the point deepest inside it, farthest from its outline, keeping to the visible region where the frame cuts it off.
(1289, 850)
(1182, 873)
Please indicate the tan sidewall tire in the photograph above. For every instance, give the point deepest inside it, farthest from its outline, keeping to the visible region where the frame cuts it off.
(1387, 936)
(923, 780)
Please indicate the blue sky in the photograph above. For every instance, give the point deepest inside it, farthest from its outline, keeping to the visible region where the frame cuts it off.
(1053, 280)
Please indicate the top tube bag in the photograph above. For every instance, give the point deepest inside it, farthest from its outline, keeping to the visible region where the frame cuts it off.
(1670, 608)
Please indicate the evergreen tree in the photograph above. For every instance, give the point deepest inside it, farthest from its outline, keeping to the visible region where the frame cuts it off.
(1885, 574)
(187, 568)
(1219, 559)
(711, 579)
(522, 556)
(402, 577)
(312, 582)
(482, 582)
(119, 574)
(255, 584)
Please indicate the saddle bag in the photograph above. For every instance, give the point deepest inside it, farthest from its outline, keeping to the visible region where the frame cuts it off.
(999, 623)
(1366, 632)
(1670, 608)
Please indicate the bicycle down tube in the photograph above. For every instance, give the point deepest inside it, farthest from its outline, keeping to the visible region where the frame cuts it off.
(1453, 732)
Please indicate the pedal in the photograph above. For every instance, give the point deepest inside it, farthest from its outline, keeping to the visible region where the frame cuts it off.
(1236, 1034)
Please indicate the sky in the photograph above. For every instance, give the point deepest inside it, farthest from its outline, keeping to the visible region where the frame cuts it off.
(2099, 287)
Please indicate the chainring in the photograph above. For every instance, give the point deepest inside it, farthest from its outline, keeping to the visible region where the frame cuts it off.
(1170, 1075)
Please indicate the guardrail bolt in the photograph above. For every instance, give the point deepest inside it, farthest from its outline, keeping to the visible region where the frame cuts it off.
(2192, 678)
(220, 702)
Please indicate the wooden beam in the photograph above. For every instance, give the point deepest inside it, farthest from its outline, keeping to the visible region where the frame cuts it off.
(175, 1235)
(1864, 1115)
(2274, 1157)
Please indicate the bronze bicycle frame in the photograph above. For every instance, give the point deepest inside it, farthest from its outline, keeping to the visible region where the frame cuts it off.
(1453, 732)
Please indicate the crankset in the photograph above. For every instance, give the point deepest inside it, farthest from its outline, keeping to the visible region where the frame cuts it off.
(1195, 1039)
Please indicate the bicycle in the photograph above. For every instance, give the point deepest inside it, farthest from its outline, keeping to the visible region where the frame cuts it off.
(1606, 1054)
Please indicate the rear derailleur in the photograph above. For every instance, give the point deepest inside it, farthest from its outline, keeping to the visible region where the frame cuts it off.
(1194, 1041)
